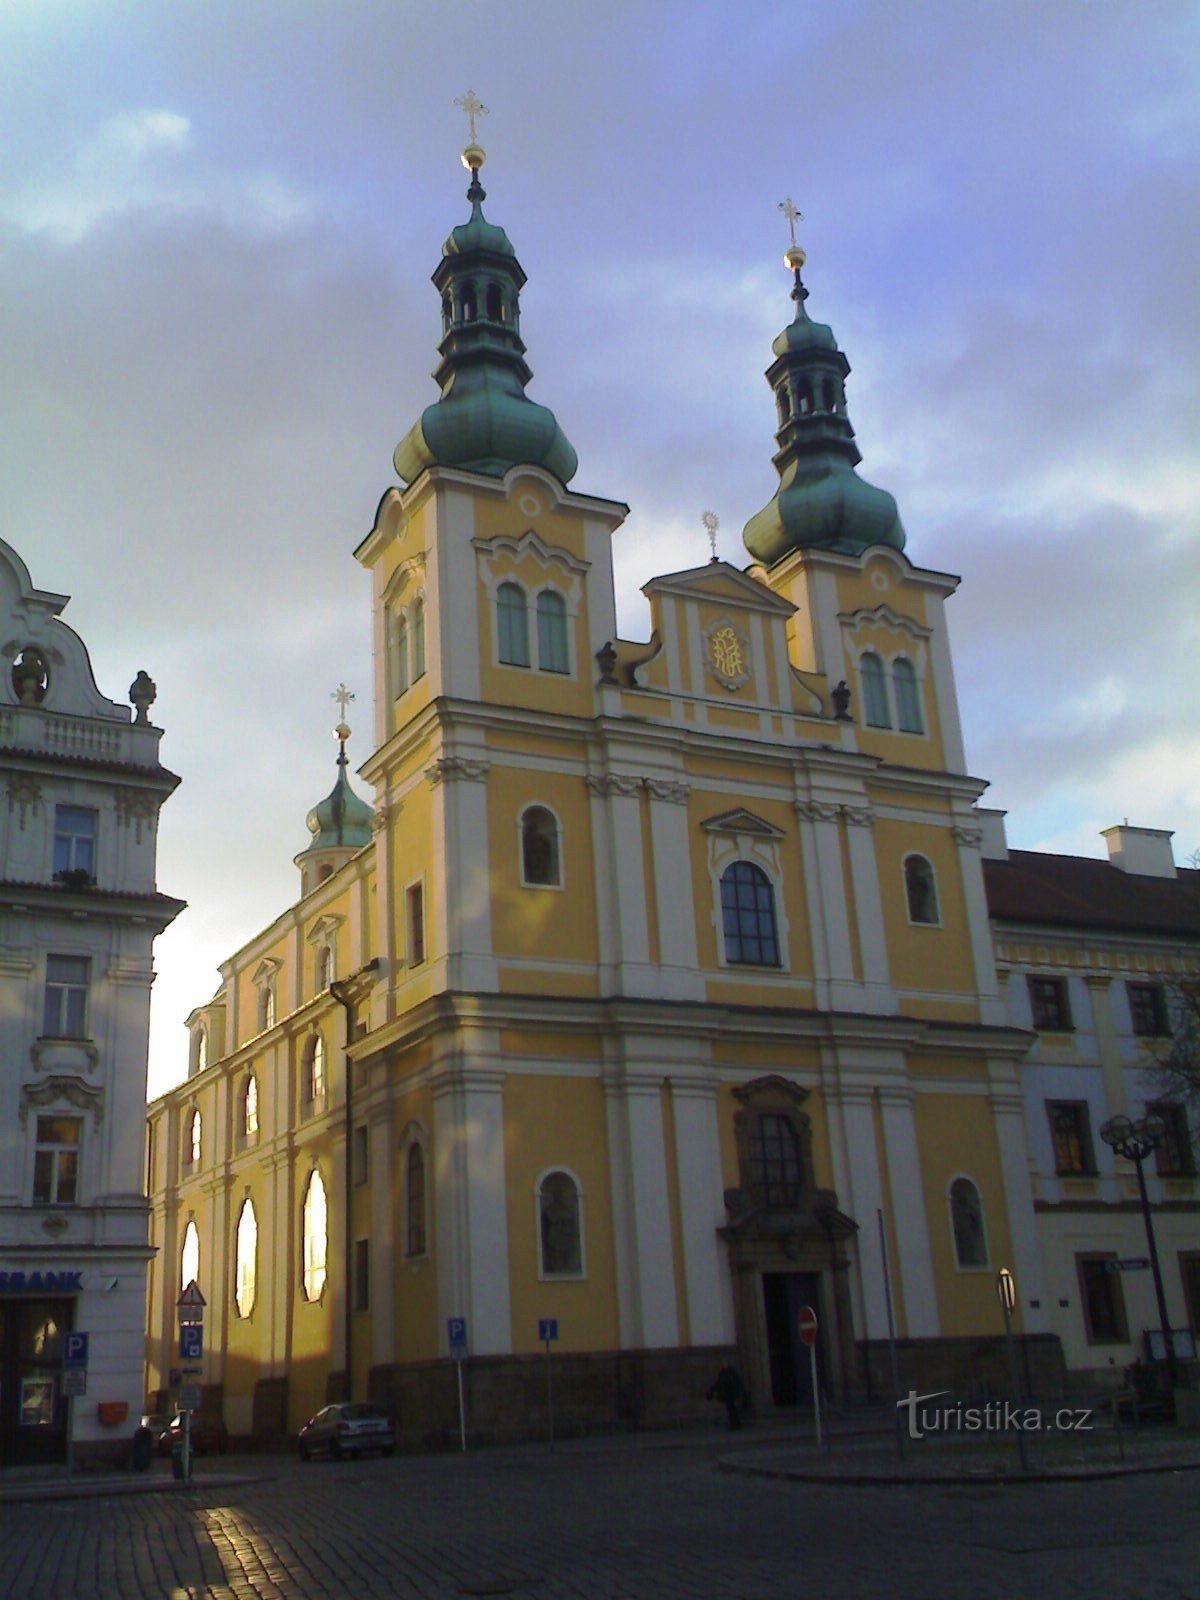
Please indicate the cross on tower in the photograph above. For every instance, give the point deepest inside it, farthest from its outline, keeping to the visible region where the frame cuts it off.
(474, 107)
(793, 217)
(343, 696)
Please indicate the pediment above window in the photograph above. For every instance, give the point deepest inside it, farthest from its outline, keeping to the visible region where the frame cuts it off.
(266, 972)
(324, 929)
(882, 616)
(742, 821)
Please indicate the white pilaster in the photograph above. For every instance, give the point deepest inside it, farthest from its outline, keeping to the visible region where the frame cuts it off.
(463, 911)
(915, 1285)
(470, 1205)
(823, 862)
(673, 891)
(1008, 1109)
(970, 867)
(868, 908)
(701, 1211)
(641, 1215)
(859, 1187)
(383, 1244)
(620, 863)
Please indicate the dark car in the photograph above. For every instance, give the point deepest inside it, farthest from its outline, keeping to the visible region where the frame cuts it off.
(347, 1430)
(209, 1435)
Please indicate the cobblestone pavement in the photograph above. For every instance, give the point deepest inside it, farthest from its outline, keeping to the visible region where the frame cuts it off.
(602, 1520)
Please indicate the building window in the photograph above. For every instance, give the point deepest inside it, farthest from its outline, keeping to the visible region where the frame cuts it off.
(513, 623)
(360, 1157)
(401, 654)
(493, 304)
(539, 848)
(189, 1257)
(414, 1194)
(1051, 1007)
(314, 1071)
(245, 1259)
(191, 1154)
(559, 1229)
(1071, 1137)
(64, 1014)
(908, 696)
(250, 1110)
(56, 1162)
(325, 969)
(875, 696)
(552, 632)
(773, 1161)
(414, 903)
(201, 1049)
(418, 641)
(748, 915)
(1103, 1300)
(314, 1234)
(1174, 1157)
(1148, 1009)
(362, 1274)
(920, 889)
(966, 1220)
(74, 842)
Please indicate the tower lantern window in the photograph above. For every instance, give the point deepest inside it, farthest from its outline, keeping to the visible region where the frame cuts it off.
(468, 305)
(494, 303)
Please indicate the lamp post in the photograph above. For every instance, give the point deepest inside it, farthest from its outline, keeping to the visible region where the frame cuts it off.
(1135, 1141)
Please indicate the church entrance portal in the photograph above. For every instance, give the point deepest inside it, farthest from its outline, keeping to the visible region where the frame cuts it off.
(790, 1365)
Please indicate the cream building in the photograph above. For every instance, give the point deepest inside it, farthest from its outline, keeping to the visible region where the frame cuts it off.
(78, 914)
(653, 994)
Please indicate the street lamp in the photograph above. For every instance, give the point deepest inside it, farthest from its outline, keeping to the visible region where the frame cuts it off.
(1135, 1141)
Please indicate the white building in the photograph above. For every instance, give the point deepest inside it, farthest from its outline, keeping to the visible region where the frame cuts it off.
(82, 785)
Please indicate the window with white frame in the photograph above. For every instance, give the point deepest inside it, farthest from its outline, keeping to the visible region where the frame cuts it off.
(324, 967)
(189, 1256)
(314, 1237)
(245, 1259)
(65, 1006)
(249, 1129)
(56, 1161)
(908, 696)
(553, 654)
(920, 891)
(748, 916)
(75, 842)
(966, 1223)
(512, 625)
(560, 1226)
(540, 863)
(314, 1071)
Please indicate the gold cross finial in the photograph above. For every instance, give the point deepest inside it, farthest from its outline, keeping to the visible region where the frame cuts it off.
(343, 696)
(793, 217)
(711, 523)
(474, 107)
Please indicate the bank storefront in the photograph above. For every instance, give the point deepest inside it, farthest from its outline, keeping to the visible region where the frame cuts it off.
(36, 1309)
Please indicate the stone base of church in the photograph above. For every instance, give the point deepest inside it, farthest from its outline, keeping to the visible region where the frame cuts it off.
(966, 1367)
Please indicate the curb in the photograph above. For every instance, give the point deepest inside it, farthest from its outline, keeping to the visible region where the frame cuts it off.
(894, 1480)
(83, 1488)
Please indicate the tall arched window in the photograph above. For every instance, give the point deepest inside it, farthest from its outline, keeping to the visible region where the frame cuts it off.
(774, 1161)
(559, 1226)
(920, 888)
(313, 1237)
(245, 1259)
(401, 653)
(552, 632)
(324, 967)
(189, 1257)
(418, 641)
(414, 1197)
(193, 1143)
(201, 1049)
(314, 1076)
(908, 696)
(250, 1110)
(748, 914)
(539, 848)
(966, 1220)
(875, 696)
(513, 625)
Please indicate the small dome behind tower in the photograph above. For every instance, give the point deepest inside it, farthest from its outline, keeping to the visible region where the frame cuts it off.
(341, 824)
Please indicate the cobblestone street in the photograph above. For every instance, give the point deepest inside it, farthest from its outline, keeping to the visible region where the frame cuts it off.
(601, 1520)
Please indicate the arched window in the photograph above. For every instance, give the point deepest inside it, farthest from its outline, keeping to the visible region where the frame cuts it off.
(324, 967)
(539, 848)
(468, 305)
(250, 1110)
(748, 913)
(401, 654)
(189, 1257)
(494, 303)
(266, 1005)
(920, 888)
(513, 622)
(245, 1259)
(414, 1197)
(559, 1228)
(552, 632)
(313, 1237)
(193, 1138)
(966, 1219)
(314, 1074)
(908, 696)
(201, 1049)
(774, 1161)
(827, 393)
(875, 696)
(784, 402)
(418, 641)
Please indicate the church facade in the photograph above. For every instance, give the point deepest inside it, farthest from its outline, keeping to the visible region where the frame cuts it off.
(654, 993)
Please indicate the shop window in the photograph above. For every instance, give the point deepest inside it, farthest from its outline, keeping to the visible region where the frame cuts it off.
(64, 1012)
(314, 1237)
(560, 1228)
(966, 1220)
(1103, 1300)
(245, 1259)
(1071, 1136)
(552, 632)
(920, 890)
(1050, 1005)
(748, 916)
(56, 1161)
(540, 866)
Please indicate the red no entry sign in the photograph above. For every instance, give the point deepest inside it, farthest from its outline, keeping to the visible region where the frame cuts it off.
(806, 1324)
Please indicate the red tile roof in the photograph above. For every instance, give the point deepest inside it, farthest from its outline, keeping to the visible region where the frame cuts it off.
(1078, 892)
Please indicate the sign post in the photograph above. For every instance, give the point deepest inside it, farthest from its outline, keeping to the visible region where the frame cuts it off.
(806, 1325)
(456, 1335)
(1006, 1288)
(548, 1333)
(189, 1309)
(75, 1365)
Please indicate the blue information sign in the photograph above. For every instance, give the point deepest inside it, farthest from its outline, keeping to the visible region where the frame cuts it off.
(548, 1330)
(75, 1350)
(456, 1332)
(191, 1341)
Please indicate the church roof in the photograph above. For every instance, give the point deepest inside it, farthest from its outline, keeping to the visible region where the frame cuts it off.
(1079, 892)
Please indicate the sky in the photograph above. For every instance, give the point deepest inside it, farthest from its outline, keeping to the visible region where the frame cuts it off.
(217, 227)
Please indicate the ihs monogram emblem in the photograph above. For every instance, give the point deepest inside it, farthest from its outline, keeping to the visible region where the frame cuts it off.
(728, 656)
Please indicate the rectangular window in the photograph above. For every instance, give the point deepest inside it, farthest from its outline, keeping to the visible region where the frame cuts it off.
(362, 1274)
(1103, 1299)
(360, 1156)
(74, 840)
(1051, 1007)
(1174, 1158)
(56, 1162)
(414, 900)
(64, 1015)
(1071, 1135)
(1148, 1009)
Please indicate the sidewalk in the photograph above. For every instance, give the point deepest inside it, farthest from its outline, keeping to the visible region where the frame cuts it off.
(53, 1483)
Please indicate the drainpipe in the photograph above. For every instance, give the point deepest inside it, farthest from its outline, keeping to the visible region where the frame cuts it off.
(341, 989)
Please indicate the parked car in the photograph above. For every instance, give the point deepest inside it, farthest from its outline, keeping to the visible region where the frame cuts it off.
(209, 1435)
(347, 1430)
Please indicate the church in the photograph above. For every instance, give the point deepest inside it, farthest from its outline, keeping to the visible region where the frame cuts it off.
(652, 995)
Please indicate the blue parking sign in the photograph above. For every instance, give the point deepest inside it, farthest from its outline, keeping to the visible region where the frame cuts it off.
(75, 1350)
(548, 1330)
(191, 1341)
(456, 1332)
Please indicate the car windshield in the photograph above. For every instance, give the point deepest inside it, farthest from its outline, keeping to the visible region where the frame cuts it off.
(363, 1413)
